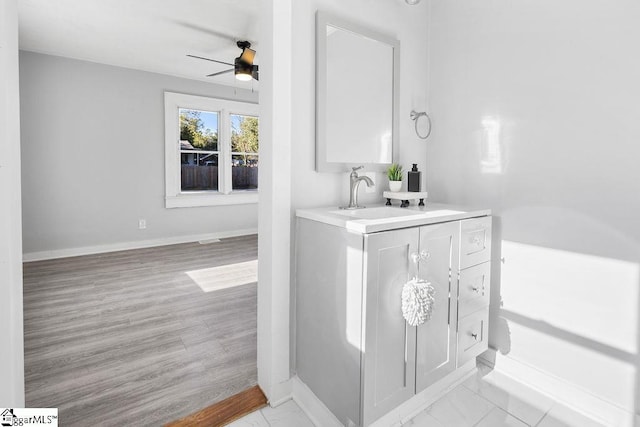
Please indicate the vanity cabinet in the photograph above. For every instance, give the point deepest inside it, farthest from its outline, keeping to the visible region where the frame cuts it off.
(400, 360)
(354, 349)
(474, 281)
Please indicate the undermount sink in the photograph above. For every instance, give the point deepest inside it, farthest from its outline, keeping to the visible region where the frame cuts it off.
(379, 212)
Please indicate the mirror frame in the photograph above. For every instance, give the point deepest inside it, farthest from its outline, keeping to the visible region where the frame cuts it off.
(322, 20)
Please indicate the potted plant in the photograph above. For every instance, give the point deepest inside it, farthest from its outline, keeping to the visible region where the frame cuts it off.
(394, 173)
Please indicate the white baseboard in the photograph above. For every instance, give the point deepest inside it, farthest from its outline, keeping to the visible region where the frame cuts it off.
(562, 391)
(421, 401)
(280, 393)
(320, 415)
(114, 247)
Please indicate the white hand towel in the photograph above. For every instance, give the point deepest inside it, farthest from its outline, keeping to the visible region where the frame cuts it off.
(418, 297)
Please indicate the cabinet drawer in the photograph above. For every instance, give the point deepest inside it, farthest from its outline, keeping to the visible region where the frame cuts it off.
(475, 241)
(474, 288)
(472, 335)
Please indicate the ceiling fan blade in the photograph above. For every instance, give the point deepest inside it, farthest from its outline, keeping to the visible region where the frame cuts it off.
(208, 59)
(219, 72)
(206, 30)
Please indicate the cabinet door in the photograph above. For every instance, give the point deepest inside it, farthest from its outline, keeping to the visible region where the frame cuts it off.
(436, 338)
(389, 342)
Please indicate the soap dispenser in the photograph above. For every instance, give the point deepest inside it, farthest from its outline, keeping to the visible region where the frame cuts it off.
(413, 179)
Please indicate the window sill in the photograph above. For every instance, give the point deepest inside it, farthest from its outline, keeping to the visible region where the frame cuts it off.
(188, 200)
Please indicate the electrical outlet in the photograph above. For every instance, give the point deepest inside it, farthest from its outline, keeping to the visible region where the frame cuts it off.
(142, 224)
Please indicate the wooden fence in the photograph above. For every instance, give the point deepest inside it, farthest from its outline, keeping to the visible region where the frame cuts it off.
(195, 177)
(244, 177)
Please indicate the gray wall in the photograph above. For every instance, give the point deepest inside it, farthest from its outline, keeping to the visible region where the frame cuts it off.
(535, 109)
(11, 349)
(93, 156)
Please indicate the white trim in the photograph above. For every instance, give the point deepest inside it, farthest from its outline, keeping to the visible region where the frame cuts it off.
(559, 389)
(281, 393)
(185, 200)
(421, 401)
(114, 247)
(319, 414)
(174, 197)
(11, 317)
(322, 416)
(275, 206)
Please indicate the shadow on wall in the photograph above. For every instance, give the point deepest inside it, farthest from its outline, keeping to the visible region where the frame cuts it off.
(565, 320)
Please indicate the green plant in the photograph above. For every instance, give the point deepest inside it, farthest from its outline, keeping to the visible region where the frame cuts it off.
(394, 173)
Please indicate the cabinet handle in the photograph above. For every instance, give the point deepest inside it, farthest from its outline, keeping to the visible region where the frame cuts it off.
(474, 336)
(417, 257)
(476, 240)
(475, 289)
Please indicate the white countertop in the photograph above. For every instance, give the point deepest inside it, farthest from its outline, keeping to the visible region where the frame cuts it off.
(376, 218)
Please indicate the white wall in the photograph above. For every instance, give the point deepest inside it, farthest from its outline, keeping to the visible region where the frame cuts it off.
(535, 109)
(395, 18)
(275, 200)
(93, 157)
(11, 349)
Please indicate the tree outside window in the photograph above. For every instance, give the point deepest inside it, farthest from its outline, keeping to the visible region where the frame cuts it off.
(211, 151)
(244, 152)
(199, 153)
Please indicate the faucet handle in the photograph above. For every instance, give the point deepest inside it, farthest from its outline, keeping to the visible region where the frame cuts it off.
(356, 168)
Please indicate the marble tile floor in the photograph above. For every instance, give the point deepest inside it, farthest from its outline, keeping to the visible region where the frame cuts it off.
(488, 399)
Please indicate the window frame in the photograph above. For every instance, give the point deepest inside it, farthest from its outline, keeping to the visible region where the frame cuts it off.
(174, 196)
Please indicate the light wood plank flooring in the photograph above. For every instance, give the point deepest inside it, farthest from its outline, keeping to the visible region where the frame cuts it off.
(128, 338)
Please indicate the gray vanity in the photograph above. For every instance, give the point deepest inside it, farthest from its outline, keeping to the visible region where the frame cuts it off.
(354, 349)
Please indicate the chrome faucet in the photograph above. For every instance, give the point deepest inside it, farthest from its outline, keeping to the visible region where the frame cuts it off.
(354, 183)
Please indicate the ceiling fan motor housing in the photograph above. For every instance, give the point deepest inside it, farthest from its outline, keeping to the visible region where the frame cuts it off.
(244, 68)
(242, 44)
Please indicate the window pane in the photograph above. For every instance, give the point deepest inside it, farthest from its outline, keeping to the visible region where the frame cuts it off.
(198, 150)
(199, 171)
(199, 129)
(244, 173)
(244, 134)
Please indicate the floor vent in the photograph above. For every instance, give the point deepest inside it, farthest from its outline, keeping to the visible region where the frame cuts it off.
(209, 241)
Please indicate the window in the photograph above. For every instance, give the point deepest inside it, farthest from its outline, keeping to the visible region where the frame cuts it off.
(211, 151)
(244, 154)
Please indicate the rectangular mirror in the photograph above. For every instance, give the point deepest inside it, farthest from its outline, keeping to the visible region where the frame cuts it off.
(357, 89)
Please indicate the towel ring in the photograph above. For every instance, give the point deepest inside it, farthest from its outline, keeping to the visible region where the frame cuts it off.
(415, 116)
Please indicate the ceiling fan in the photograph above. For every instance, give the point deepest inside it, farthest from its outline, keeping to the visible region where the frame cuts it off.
(243, 67)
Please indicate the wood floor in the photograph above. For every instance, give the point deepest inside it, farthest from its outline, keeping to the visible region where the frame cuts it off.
(128, 338)
(222, 413)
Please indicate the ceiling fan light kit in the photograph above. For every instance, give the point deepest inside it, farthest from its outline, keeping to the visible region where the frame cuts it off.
(243, 70)
(243, 67)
